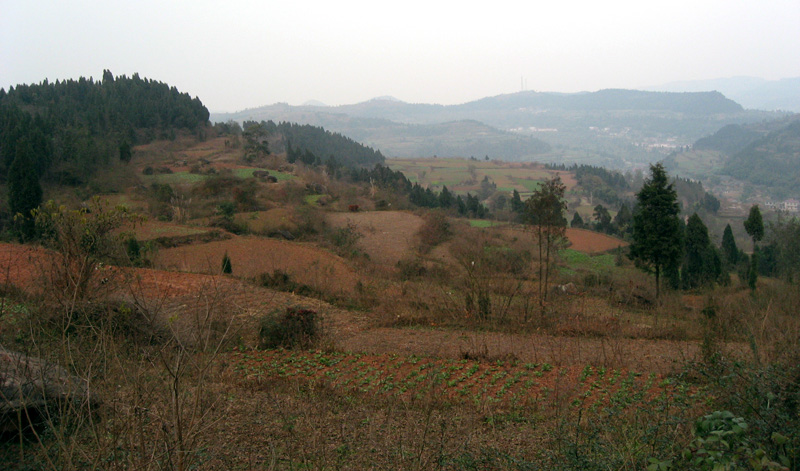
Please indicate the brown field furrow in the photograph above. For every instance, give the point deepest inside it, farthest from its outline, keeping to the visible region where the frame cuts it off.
(252, 256)
(388, 236)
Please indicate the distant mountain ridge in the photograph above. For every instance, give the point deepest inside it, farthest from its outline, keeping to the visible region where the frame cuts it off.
(696, 103)
(513, 124)
(750, 92)
(700, 103)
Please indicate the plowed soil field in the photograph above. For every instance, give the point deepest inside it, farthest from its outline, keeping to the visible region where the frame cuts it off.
(252, 256)
(388, 236)
(582, 240)
(591, 242)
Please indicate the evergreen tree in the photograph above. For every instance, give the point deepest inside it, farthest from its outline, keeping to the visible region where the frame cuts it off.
(656, 227)
(473, 204)
(462, 207)
(623, 219)
(24, 191)
(577, 221)
(291, 154)
(729, 249)
(702, 264)
(516, 202)
(445, 198)
(754, 225)
(602, 219)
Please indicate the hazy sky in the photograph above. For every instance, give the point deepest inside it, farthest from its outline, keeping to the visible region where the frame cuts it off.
(242, 54)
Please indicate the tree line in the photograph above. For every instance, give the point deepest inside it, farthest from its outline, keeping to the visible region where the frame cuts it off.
(683, 253)
(63, 132)
(72, 127)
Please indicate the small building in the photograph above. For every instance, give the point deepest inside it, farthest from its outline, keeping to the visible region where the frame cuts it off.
(791, 205)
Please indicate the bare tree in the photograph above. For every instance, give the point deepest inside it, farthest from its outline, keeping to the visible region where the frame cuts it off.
(544, 210)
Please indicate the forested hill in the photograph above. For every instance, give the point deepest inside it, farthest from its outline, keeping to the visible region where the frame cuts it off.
(74, 126)
(728, 140)
(772, 160)
(313, 142)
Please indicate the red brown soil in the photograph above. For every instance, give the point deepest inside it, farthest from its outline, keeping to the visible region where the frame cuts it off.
(568, 178)
(152, 229)
(639, 354)
(388, 236)
(19, 264)
(477, 382)
(252, 256)
(351, 331)
(591, 242)
(176, 292)
(212, 150)
(582, 240)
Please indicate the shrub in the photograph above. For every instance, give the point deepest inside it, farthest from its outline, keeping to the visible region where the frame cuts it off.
(411, 268)
(296, 328)
(281, 281)
(722, 441)
(345, 239)
(435, 229)
(226, 264)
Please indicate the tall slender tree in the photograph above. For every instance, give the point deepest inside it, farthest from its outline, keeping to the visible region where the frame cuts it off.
(729, 249)
(754, 225)
(657, 237)
(545, 211)
(702, 265)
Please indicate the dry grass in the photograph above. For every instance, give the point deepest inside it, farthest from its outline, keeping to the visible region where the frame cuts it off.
(194, 396)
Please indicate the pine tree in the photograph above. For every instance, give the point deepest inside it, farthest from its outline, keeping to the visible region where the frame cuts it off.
(24, 191)
(577, 221)
(657, 238)
(623, 219)
(754, 225)
(729, 249)
(602, 219)
(462, 207)
(516, 202)
(702, 265)
(445, 198)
